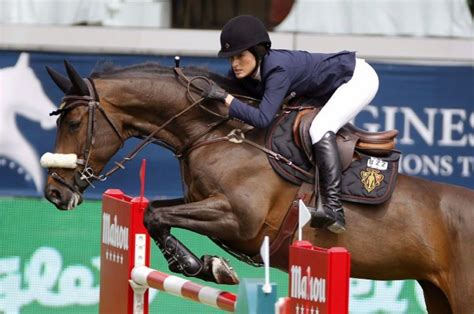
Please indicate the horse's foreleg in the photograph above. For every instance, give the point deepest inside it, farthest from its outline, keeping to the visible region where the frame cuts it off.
(180, 259)
(435, 299)
(170, 247)
(212, 217)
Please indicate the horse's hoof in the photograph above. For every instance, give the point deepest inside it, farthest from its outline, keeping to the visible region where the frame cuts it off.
(223, 272)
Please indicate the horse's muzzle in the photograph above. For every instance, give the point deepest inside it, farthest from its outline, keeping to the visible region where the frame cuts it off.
(62, 198)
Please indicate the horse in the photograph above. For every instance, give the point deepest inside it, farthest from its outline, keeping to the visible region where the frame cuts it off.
(30, 103)
(232, 194)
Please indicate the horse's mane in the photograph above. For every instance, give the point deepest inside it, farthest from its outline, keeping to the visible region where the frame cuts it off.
(108, 70)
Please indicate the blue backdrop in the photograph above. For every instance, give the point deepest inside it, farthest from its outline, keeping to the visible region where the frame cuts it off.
(431, 106)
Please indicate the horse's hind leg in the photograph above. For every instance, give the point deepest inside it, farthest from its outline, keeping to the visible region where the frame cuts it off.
(435, 300)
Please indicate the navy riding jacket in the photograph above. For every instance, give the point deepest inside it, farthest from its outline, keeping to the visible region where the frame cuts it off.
(314, 75)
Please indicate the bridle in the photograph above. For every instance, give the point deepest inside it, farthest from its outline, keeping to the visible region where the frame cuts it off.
(85, 176)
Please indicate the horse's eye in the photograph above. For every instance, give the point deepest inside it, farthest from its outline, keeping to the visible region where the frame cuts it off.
(73, 125)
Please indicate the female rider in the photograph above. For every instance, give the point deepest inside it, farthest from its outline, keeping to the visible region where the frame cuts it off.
(348, 82)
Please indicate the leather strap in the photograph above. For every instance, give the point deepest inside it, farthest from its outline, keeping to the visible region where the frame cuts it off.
(280, 245)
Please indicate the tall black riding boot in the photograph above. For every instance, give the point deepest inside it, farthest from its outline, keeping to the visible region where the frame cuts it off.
(331, 214)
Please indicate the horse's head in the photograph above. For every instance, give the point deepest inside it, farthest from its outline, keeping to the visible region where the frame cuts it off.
(87, 137)
(146, 100)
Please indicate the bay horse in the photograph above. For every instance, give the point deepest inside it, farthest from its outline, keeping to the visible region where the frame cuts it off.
(423, 232)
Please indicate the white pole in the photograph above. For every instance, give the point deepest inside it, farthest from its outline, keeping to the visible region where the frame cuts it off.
(265, 253)
(303, 217)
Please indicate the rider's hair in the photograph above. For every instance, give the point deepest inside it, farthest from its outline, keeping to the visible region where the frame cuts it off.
(259, 51)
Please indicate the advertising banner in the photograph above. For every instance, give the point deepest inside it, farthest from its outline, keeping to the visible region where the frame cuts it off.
(50, 263)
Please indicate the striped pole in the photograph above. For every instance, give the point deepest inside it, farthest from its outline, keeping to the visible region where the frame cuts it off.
(184, 288)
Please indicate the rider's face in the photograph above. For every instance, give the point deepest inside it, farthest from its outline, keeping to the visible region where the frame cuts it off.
(243, 64)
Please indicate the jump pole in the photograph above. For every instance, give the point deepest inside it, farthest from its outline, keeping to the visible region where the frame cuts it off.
(180, 287)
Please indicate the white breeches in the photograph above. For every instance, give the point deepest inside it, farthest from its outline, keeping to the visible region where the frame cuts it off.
(346, 102)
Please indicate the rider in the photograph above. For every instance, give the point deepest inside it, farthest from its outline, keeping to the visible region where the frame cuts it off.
(348, 82)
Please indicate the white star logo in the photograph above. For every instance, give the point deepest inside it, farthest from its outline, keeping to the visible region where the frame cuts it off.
(302, 309)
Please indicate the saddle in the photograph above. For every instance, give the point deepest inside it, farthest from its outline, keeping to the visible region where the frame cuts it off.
(369, 159)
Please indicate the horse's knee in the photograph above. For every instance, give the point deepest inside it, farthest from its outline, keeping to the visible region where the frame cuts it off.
(148, 217)
(152, 222)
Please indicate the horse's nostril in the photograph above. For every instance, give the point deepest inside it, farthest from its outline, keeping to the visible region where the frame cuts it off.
(53, 194)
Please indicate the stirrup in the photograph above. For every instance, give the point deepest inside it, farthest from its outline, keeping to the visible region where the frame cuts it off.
(323, 218)
(340, 225)
(337, 227)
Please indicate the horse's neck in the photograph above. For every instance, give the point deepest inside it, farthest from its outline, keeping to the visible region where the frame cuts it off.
(144, 106)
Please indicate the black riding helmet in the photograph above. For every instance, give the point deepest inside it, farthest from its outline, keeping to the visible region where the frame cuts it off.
(241, 33)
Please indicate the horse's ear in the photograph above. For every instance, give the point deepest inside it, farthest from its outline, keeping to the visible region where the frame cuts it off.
(63, 82)
(76, 80)
(23, 60)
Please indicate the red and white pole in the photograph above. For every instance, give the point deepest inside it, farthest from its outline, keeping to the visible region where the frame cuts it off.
(177, 286)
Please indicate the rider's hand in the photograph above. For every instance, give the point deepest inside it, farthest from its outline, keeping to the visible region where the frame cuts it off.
(214, 91)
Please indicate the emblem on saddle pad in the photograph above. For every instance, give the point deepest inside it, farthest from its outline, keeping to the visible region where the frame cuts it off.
(371, 178)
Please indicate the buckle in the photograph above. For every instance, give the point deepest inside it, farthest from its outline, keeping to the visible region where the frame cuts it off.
(236, 136)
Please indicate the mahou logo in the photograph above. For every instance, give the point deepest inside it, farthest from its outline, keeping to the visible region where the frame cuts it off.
(114, 234)
(307, 287)
(319, 280)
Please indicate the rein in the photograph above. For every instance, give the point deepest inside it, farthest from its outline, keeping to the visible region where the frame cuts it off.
(87, 175)
(237, 136)
(150, 137)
